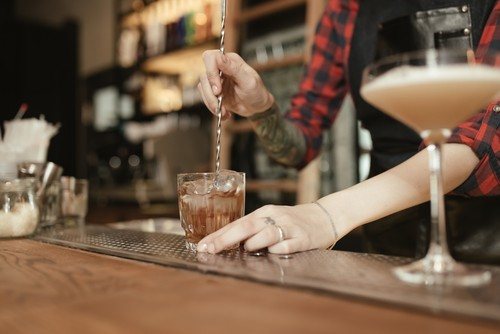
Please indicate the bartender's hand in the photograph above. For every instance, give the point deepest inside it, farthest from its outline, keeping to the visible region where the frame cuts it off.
(304, 227)
(243, 89)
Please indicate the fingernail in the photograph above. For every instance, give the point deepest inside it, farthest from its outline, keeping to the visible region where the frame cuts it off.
(214, 88)
(202, 248)
(211, 248)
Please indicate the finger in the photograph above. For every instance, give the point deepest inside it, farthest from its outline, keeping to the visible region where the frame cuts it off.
(232, 65)
(287, 247)
(239, 232)
(211, 99)
(254, 216)
(212, 70)
(203, 97)
(226, 114)
(266, 237)
(210, 238)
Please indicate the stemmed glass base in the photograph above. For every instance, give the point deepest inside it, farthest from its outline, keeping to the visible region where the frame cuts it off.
(442, 270)
(438, 267)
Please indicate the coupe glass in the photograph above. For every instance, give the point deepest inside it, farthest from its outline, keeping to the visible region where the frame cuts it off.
(432, 92)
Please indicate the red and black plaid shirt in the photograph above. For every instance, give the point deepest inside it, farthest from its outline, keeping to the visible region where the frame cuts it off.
(324, 87)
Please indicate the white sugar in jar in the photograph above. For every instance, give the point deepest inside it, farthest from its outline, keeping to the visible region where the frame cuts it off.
(19, 214)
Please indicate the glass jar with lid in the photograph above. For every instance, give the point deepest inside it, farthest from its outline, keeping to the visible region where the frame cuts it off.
(19, 213)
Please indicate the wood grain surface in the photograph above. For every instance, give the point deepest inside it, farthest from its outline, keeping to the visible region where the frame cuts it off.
(51, 289)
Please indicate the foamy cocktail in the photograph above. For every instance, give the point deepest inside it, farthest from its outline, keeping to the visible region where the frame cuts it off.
(433, 98)
(433, 91)
(208, 202)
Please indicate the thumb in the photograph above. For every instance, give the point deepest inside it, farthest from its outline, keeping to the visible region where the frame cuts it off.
(232, 66)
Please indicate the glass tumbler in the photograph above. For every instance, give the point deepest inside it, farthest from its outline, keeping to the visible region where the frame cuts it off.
(74, 202)
(48, 175)
(207, 203)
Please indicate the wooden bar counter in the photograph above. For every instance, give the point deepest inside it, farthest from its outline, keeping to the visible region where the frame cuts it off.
(52, 289)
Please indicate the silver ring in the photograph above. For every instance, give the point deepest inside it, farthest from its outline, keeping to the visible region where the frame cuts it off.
(281, 232)
(272, 222)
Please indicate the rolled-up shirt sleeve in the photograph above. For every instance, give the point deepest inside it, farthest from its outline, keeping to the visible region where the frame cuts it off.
(482, 135)
(481, 132)
(324, 86)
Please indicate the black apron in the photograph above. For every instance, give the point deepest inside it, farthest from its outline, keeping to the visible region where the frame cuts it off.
(386, 27)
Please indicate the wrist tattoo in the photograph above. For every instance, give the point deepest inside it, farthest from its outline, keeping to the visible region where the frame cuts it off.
(282, 140)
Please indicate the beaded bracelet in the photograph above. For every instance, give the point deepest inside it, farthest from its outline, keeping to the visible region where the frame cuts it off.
(335, 233)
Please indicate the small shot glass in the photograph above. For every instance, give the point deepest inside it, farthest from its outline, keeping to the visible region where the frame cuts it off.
(74, 199)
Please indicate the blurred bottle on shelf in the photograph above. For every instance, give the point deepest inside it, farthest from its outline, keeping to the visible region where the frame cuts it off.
(161, 94)
(150, 31)
(167, 25)
(128, 45)
(155, 31)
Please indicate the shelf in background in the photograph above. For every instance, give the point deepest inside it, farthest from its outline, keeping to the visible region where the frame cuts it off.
(284, 185)
(278, 63)
(268, 8)
(177, 61)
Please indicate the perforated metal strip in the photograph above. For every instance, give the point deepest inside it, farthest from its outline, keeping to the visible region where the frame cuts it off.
(357, 275)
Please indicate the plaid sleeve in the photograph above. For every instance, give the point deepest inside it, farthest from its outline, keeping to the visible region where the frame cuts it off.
(324, 84)
(481, 132)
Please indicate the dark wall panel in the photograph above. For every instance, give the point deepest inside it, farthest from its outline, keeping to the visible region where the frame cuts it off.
(38, 65)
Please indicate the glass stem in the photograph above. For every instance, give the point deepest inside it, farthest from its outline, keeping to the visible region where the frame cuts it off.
(438, 248)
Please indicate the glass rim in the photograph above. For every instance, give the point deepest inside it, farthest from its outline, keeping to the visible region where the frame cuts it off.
(65, 178)
(71, 183)
(19, 184)
(420, 54)
(208, 173)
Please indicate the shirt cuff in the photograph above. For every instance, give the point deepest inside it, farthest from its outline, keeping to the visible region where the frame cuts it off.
(480, 133)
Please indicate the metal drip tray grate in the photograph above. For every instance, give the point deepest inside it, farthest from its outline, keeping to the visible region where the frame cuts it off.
(366, 276)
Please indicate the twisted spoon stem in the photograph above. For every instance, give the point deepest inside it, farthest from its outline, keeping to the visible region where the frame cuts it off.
(219, 99)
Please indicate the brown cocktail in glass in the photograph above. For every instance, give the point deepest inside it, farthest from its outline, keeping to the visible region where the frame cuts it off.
(207, 205)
